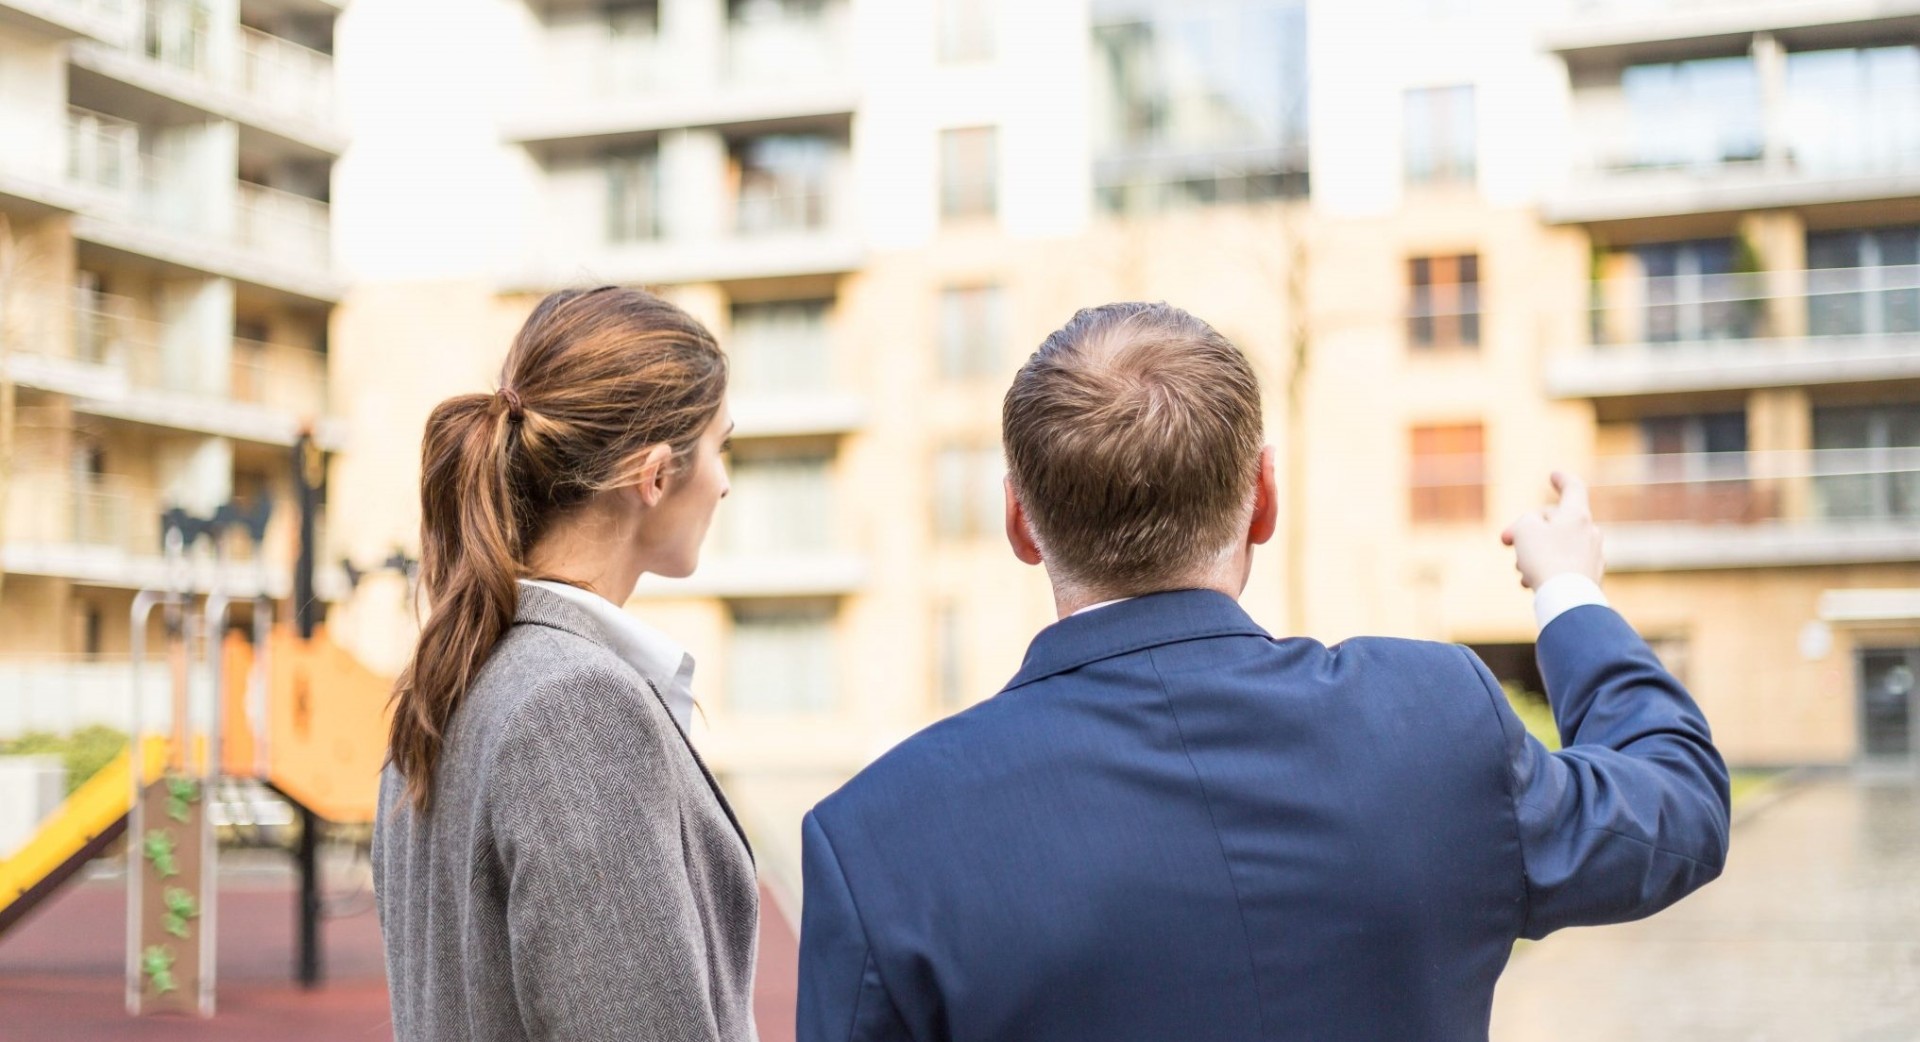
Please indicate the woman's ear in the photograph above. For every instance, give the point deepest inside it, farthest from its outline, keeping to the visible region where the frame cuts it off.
(649, 473)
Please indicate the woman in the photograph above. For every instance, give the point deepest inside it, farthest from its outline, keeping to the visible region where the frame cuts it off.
(552, 859)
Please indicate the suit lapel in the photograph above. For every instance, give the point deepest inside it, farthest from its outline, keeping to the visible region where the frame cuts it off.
(713, 784)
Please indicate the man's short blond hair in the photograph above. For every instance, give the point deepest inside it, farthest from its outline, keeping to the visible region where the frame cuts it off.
(1133, 441)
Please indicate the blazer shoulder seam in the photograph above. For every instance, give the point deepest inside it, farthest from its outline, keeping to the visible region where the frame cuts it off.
(1226, 862)
(866, 936)
(1510, 781)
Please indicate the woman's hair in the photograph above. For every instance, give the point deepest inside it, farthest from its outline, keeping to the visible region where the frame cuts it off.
(594, 378)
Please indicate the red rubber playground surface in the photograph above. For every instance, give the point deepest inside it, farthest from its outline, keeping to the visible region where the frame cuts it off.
(60, 972)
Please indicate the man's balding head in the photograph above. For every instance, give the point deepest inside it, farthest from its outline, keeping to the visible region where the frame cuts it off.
(1133, 442)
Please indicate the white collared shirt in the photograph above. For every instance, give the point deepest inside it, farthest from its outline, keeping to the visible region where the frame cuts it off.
(651, 653)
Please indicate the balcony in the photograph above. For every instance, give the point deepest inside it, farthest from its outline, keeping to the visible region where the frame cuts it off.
(68, 19)
(114, 365)
(1598, 27)
(105, 531)
(1759, 509)
(251, 233)
(762, 233)
(1710, 157)
(1674, 335)
(60, 694)
(596, 83)
(173, 59)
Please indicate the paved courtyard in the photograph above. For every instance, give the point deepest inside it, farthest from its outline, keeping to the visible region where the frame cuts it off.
(1811, 935)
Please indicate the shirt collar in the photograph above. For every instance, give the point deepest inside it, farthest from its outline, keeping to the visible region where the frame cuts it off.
(654, 655)
(1141, 622)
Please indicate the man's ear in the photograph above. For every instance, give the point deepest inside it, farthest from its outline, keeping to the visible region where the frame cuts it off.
(1019, 535)
(1266, 500)
(648, 473)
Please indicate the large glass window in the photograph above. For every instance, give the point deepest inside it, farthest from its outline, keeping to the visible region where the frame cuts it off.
(973, 331)
(1199, 101)
(968, 492)
(1449, 478)
(1442, 143)
(780, 504)
(1694, 291)
(969, 172)
(1863, 282)
(780, 659)
(966, 30)
(780, 347)
(1694, 470)
(1853, 110)
(770, 41)
(1692, 114)
(1867, 468)
(633, 196)
(784, 182)
(1445, 310)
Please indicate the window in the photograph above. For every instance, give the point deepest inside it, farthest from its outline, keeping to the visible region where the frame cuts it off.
(780, 659)
(969, 173)
(783, 182)
(1837, 120)
(1445, 312)
(949, 652)
(1199, 104)
(1694, 471)
(1449, 473)
(1697, 114)
(780, 347)
(1440, 136)
(1865, 463)
(966, 30)
(1675, 654)
(1860, 283)
(968, 497)
(1694, 291)
(973, 331)
(633, 197)
(771, 41)
(780, 504)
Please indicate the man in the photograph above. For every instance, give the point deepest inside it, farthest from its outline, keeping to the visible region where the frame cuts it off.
(1171, 826)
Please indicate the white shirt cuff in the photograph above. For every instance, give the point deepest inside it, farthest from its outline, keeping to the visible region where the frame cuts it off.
(1562, 594)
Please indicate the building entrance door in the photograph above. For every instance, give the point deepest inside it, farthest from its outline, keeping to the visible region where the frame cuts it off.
(1887, 697)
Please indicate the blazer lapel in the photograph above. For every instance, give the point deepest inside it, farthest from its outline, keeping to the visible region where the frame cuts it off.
(713, 784)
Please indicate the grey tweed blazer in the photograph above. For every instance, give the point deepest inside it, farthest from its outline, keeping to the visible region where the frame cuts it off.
(579, 875)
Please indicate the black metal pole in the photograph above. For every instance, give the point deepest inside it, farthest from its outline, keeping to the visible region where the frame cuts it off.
(308, 969)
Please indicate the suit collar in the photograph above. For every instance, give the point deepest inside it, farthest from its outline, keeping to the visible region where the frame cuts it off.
(1143, 622)
(539, 607)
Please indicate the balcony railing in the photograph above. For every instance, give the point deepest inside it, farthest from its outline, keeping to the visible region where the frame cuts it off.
(1809, 487)
(103, 152)
(283, 75)
(1757, 509)
(1701, 332)
(179, 40)
(283, 225)
(280, 377)
(779, 212)
(55, 509)
(783, 50)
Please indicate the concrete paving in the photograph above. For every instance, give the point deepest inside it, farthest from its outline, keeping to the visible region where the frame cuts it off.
(1811, 935)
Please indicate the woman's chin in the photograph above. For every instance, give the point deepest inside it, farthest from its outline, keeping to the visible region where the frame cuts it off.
(676, 569)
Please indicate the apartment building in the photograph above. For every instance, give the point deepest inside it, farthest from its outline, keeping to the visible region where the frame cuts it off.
(1745, 178)
(1669, 245)
(165, 290)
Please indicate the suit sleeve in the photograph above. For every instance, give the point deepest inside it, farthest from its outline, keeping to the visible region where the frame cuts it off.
(1632, 814)
(601, 926)
(842, 998)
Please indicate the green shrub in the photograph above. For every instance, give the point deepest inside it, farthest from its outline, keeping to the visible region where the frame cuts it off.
(84, 752)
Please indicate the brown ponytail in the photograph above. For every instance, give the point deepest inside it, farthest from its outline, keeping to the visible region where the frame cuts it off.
(594, 379)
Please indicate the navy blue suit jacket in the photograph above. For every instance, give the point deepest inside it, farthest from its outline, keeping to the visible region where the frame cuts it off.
(1171, 826)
